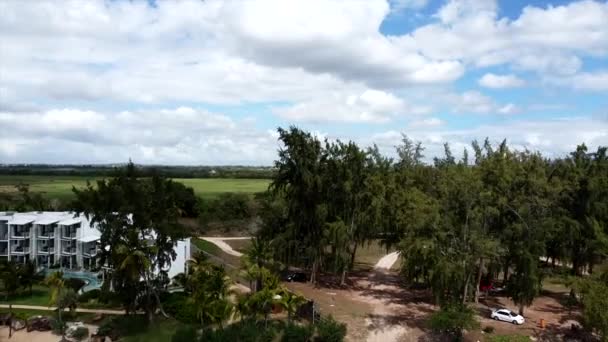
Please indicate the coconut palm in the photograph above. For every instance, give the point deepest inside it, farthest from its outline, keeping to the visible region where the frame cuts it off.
(257, 256)
(57, 285)
(291, 302)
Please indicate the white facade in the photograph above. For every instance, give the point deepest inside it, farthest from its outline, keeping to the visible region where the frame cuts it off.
(63, 238)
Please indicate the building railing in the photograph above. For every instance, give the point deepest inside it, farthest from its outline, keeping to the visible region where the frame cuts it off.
(69, 235)
(69, 250)
(46, 249)
(47, 234)
(91, 252)
(21, 233)
(3, 236)
(20, 249)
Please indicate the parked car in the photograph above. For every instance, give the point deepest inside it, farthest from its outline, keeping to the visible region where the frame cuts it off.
(297, 277)
(507, 316)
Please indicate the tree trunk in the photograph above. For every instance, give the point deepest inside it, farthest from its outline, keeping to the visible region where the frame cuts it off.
(506, 273)
(478, 283)
(313, 274)
(466, 288)
(521, 309)
(10, 320)
(343, 279)
(352, 257)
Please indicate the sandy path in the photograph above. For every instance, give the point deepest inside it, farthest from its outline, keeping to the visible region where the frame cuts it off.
(219, 241)
(387, 261)
(50, 308)
(35, 336)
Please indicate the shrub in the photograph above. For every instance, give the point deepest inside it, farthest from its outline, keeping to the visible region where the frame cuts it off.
(488, 329)
(330, 330)
(184, 334)
(74, 283)
(452, 319)
(89, 295)
(58, 326)
(297, 333)
(243, 331)
(80, 333)
(118, 326)
(176, 305)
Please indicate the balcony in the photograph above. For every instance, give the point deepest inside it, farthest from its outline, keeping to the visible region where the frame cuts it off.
(68, 234)
(20, 233)
(90, 252)
(4, 235)
(4, 251)
(46, 249)
(68, 250)
(18, 249)
(46, 234)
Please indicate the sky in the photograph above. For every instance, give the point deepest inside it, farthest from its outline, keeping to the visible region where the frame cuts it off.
(208, 82)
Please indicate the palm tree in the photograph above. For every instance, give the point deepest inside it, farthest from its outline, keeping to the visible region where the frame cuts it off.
(27, 275)
(258, 255)
(291, 302)
(57, 285)
(210, 292)
(10, 281)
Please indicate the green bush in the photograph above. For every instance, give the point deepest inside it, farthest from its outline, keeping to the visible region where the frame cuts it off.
(184, 334)
(243, 331)
(176, 305)
(80, 333)
(118, 326)
(89, 295)
(330, 330)
(297, 333)
(452, 319)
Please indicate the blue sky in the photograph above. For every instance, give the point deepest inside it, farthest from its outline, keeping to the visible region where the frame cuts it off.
(208, 82)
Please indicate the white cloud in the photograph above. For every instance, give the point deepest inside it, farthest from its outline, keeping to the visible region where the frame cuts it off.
(370, 106)
(491, 80)
(430, 122)
(590, 81)
(176, 136)
(554, 138)
(509, 109)
(547, 40)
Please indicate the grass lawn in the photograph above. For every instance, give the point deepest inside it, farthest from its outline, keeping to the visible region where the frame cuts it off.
(40, 296)
(239, 245)
(212, 249)
(60, 187)
(368, 255)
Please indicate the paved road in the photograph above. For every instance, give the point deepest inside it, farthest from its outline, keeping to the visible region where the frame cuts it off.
(50, 308)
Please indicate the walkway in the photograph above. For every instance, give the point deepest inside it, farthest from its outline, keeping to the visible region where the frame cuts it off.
(219, 241)
(387, 261)
(50, 308)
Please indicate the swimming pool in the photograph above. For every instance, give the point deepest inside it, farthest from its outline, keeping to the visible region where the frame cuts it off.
(90, 278)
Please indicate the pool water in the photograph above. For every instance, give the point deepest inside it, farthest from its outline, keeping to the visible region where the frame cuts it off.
(90, 278)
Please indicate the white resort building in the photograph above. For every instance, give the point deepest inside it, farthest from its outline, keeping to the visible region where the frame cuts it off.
(60, 238)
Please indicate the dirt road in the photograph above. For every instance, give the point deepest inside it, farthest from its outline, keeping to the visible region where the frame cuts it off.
(219, 241)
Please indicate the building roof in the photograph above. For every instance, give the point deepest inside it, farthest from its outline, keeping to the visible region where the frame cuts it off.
(89, 238)
(47, 220)
(70, 221)
(22, 219)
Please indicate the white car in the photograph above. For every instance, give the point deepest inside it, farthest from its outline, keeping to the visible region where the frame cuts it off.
(507, 316)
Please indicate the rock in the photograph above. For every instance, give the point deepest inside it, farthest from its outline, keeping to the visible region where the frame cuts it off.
(18, 324)
(4, 318)
(38, 323)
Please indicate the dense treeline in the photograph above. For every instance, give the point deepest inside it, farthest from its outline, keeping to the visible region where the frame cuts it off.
(496, 213)
(243, 172)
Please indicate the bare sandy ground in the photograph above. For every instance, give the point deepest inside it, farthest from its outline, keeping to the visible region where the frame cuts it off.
(35, 336)
(219, 241)
(387, 261)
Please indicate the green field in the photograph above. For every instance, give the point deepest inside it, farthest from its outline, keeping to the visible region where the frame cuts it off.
(60, 187)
